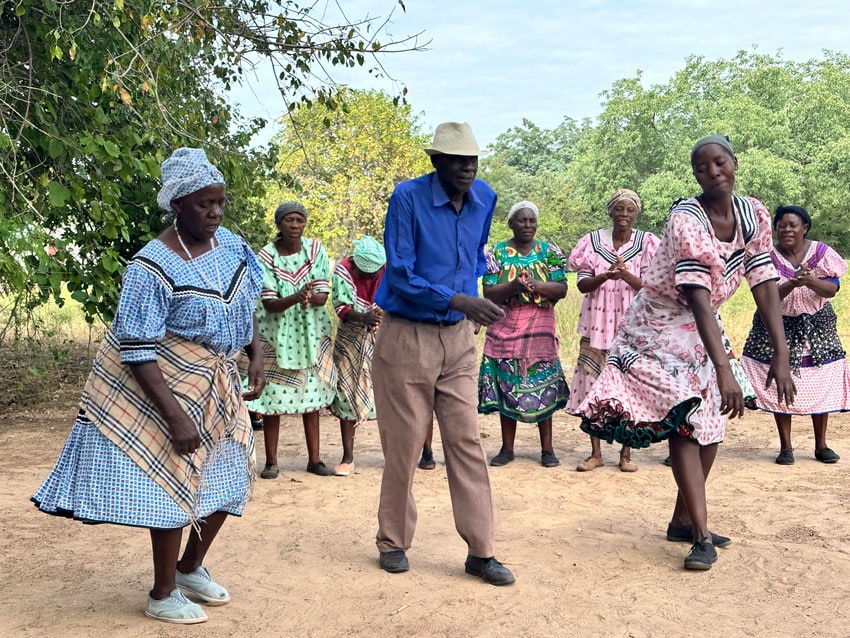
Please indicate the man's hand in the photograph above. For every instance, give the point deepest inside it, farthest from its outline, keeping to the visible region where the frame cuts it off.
(477, 309)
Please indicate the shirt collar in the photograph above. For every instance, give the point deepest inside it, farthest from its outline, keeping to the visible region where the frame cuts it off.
(440, 198)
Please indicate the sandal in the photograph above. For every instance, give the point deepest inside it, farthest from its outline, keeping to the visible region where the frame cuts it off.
(270, 471)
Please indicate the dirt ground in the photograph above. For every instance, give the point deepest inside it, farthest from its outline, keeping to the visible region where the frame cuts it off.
(588, 550)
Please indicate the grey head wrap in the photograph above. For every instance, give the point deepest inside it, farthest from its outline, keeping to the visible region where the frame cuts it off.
(187, 170)
(721, 140)
(289, 207)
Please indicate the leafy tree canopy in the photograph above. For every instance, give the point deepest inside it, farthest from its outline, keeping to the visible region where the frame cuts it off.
(789, 123)
(530, 163)
(94, 95)
(343, 162)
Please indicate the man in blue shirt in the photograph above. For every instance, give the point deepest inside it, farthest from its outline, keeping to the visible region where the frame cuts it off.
(425, 359)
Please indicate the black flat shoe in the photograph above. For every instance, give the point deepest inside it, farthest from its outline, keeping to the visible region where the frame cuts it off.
(394, 562)
(786, 457)
(319, 469)
(685, 534)
(547, 459)
(502, 458)
(826, 456)
(702, 556)
(489, 570)
(427, 461)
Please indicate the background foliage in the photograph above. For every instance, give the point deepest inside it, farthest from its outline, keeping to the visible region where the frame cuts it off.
(342, 161)
(94, 95)
(787, 120)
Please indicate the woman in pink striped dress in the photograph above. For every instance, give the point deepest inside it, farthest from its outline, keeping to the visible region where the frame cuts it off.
(610, 264)
(808, 278)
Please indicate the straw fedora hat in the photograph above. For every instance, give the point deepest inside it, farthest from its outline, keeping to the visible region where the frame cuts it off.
(454, 138)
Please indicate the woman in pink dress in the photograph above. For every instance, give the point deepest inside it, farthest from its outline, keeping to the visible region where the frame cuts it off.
(808, 278)
(670, 373)
(610, 264)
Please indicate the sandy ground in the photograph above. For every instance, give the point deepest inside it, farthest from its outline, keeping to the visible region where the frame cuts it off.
(588, 550)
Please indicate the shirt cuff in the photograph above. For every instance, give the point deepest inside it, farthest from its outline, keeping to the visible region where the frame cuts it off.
(137, 351)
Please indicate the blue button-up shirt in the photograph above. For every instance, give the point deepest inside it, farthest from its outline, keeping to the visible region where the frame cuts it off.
(433, 252)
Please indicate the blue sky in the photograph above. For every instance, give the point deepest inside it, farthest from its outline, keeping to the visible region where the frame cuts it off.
(494, 63)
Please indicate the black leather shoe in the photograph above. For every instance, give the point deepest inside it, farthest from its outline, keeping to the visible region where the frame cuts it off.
(490, 570)
(394, 562)
(427, 461)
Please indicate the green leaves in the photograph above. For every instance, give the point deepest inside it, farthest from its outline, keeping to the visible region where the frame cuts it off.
(58, 194)
(342, 157)
(95, 95)
(784, 118)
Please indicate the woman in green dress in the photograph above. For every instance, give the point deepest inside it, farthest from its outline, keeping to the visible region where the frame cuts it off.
(521, 376)
(296, 331)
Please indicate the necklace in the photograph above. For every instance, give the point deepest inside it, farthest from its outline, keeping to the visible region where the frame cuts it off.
(219, 289)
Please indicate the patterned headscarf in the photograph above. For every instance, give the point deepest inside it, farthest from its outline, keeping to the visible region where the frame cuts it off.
(369, 255)
(621, 194)
(721, 140)
(289, 207)
(519, 206)
(187, 170)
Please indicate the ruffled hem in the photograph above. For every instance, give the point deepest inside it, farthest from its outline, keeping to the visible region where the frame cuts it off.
(94, 481)
(610, 421)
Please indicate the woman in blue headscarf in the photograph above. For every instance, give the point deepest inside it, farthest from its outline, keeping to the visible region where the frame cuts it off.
(163, 439)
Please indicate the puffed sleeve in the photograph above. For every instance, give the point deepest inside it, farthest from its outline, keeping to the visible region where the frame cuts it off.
(832, 265)
(139, 323)
(580, 258)
(321, 271)
(271, 284)
(556, 263)
(255, 269)
(650, 247)
(692, 249)
(342, 291)
(758, 266)
(491, 269)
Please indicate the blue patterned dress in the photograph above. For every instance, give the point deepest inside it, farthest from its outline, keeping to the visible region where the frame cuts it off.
(209, 301)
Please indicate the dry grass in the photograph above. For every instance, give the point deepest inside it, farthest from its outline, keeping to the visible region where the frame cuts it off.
(52, 350)
(45, 353)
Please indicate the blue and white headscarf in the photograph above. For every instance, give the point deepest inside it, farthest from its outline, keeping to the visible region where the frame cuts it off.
(186, 171)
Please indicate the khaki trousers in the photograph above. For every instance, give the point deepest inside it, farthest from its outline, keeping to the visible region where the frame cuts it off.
(418, 370)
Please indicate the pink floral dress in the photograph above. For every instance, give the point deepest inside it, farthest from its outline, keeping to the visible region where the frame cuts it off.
(659, 379)
(818, 360)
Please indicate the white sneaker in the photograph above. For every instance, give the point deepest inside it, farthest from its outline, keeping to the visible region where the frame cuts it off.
(175, 608)
(199, 583)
